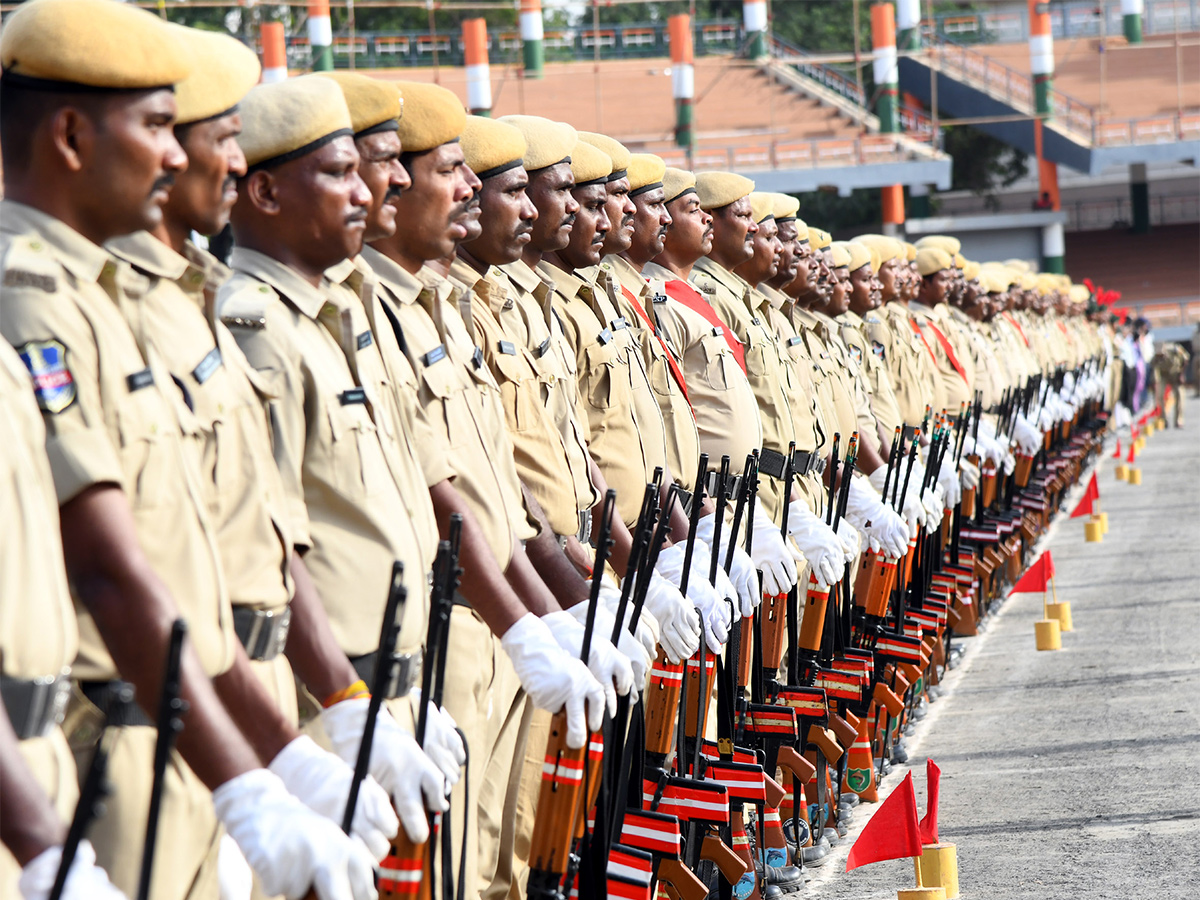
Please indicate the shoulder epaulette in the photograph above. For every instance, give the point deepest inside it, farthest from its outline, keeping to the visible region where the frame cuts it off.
(245, 306)
(27, 263)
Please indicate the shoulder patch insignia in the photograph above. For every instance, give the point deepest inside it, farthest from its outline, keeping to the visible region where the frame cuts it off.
(22, 278)
(53, 384)
(877, 349)
(856, 353)
(255, 322)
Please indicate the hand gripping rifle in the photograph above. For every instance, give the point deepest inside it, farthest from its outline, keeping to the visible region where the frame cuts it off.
(95, 788)
(171, 709)
(561, 799)
(408, 864)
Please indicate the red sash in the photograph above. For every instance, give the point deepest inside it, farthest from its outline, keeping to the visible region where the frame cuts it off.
(678, 375)
(945, 342)
(1017, 325)
(694, 300)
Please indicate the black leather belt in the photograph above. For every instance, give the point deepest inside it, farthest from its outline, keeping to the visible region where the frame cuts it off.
(115, 700)
(585, 526)
(263, 632)
(35, 705)
(406, 673)
(804, 462)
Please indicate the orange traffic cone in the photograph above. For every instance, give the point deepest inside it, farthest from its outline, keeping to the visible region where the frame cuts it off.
(860, 771)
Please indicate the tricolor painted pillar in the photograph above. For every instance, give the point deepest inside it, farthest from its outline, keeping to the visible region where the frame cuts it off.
(887, 107)
(908, 23)
(274, 52)
(1131, 19)
(479, 75)
(754, 16)
(531, 38)
(1041, 67)
(683, 77)
(320, 35)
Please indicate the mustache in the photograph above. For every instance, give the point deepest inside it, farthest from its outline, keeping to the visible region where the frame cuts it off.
(394, 192)
(568, 221)
(166, 182)
(230, 184)
(462, 210)
(359, 215)
(524, 228)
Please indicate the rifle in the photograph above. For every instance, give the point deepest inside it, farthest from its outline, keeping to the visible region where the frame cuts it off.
(408, 861)
(171, 709)
(95, 788)
(562, 805)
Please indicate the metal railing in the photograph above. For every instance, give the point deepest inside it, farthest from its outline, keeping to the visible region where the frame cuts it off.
(1009, 24)
(815, 153)
(832, 78)
(1100, 215)
(1074, 116)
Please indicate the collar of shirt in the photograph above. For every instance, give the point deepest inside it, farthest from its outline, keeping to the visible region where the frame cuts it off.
(491, 286)
(627, 276)
(717, 272)
(302, 295)
(775, 297)
(851, 318)
(566, 283)
(76, 254)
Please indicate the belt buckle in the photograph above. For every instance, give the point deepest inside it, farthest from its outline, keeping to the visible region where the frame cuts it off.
(36, 705)
(585, 526)
(406, 670)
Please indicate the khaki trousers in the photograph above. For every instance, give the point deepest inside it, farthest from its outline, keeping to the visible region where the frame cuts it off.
(185, 861)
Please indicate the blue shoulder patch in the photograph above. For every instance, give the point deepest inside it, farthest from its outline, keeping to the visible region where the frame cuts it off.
(53, 384)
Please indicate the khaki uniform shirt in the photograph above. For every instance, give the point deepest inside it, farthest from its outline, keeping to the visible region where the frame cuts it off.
(534, 323)
(840, 414)
(241, 483)
(111, 417)
(683, 440)
(914, 377)
(626, 435)
(957, 386)
(727, 418)
(356, 499)
(737, 305)
(883, 398)
(458, 397)
(38, 637)
(990, 375)
(539, 453)
(852, 374)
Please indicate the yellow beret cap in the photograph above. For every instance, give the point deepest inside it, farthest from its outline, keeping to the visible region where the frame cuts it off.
(223, 71)
(1019, 264)
(993, 282)
(546, 142)
(819, 238)
(1079, 293)
(910, 251)
(374, 105)
(645, 173)
(762, 205)
(803, 232)
(589, 165)
(942, 241)
(840, 252)
(677, 182)
(970, 269)
(860, 255)
(615, 150)
(432, 116)
(491, 147)
(785, 207)
(287, 119)
(1027, 280)
(1047, 283)
(717, 189)
(931, 260)
(888, 248)
(94, 43)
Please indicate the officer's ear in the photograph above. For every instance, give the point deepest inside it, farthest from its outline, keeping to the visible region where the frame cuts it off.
(72, 131)
(262, 190)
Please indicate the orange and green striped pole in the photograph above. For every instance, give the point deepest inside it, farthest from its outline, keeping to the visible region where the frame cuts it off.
(754, 17)
(683, 78)
(1131, 19)
(479, 75)
(531, 38)
(274, 52)
(887, 107)
(320, 35)
(1041, 67)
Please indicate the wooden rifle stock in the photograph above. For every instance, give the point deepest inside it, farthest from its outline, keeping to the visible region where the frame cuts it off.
(681, 880)
(791, 761)
(558, 806)
(731, 866)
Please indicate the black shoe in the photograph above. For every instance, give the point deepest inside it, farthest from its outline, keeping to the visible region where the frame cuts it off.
(899, 754)
(770, 892)
(813, 856)
(788, 879)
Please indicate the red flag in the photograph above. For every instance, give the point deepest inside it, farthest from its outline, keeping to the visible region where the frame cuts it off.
(933, 777)
(1090, 496)
(1035, 580)
(1117, 452)
(892, 833)
(1132, 451)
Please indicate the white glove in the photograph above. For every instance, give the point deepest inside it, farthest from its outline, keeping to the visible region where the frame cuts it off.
(413, 780)
(716, 613)
(443, 742)
(851, 540)
(948, 480)
(866, 512)
(1009, 463)
(646, 630)
(1028, 438)
(85, 881)
(931, 499)
(634, 650)
(290, 847)
(818, 542)
(772, 556)
(970, 474)
(322, 782)
(678, 622)
(610, 667)
(742, 573)
(554, 679)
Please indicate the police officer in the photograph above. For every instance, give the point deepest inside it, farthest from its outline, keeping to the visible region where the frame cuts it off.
(137, 538)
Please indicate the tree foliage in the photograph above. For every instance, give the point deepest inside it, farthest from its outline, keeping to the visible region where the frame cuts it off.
(982, 164)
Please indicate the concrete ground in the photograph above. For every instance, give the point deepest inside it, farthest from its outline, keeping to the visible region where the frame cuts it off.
(1076, 773)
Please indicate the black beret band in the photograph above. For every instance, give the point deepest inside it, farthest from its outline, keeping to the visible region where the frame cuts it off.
(300, 151)
(644, 188)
